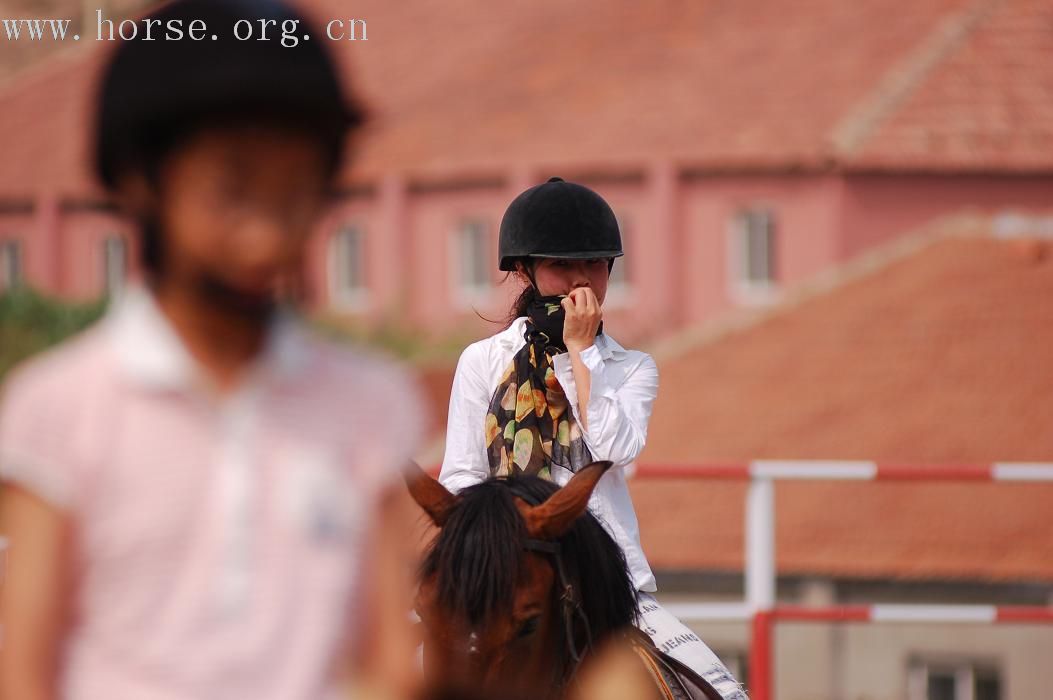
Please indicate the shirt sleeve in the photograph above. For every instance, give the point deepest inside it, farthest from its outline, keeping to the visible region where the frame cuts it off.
(465, 462)
(617, 415)
(35, 436)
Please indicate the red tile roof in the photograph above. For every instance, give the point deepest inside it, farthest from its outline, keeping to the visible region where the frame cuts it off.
(987, 104)
(941, 357)
(468, 86)
(550, 83)
(44, 125)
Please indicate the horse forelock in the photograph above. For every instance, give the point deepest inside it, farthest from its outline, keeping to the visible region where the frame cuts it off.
(477, 557)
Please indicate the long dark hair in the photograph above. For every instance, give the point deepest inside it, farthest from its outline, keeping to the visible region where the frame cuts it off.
(529, 293)
(476, 557)
(521, 304)
(522, 301)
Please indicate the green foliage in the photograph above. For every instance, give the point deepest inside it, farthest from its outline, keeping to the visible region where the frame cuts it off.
(31, 322)
(398, 339)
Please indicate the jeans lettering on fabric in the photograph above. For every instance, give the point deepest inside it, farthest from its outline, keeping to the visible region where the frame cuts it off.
(679, 639)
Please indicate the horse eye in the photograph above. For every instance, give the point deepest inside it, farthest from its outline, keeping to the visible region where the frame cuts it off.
(529, 627)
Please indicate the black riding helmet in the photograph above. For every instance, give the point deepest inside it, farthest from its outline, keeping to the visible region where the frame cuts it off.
(558, 219)
(153, 93)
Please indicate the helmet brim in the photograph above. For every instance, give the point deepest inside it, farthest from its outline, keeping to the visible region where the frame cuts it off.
(508, 264)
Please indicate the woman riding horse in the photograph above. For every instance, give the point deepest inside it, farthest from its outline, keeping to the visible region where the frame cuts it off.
(553, 392)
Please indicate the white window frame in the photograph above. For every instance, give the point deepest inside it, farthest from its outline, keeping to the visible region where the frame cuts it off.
(745, 290)
(467, 292)
(114, 276)
(12, 264)
(345, 294)
(964, 672)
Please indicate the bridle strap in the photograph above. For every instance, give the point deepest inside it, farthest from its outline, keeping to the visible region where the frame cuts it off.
(568, 596)
(543, 547)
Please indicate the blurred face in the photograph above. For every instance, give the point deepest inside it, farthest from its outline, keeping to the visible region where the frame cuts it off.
(236, 206)
(555, 277)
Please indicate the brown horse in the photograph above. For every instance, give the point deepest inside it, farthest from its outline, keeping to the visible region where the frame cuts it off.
(520, 584)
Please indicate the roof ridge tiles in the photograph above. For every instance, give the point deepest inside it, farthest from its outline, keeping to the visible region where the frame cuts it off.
(899, 82)
(968, 223)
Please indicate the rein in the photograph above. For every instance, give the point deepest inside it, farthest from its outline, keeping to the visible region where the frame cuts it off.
(568, 597)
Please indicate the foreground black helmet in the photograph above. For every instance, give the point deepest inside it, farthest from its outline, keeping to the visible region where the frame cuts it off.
(558, 219)
(153, 91)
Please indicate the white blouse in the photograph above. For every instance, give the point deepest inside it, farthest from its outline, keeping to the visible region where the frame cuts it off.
(624, 387)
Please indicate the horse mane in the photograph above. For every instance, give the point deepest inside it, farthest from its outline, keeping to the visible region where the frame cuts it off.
(475, 558)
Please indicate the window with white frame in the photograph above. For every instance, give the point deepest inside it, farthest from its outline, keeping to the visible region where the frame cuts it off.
(10, 264)
(954, 680)
(753, 250)
(471, 258)
(347, 266)
(114, 264)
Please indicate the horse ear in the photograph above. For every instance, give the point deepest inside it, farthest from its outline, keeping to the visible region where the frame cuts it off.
(554, 518)
(429, 494)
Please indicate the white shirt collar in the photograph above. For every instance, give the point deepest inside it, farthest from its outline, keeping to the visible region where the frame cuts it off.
(151, 353)
(512, 339)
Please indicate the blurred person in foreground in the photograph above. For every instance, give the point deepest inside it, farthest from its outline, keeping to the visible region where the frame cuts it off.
(202, 498)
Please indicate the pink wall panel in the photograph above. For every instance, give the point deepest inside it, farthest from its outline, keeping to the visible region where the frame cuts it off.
(82, 235)
(676, 239)
(879, 207)
(805, 209)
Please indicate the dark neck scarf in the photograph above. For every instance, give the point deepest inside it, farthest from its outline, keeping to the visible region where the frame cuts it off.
(529, 425)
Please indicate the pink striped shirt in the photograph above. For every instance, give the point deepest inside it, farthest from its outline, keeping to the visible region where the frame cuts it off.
(219, 541)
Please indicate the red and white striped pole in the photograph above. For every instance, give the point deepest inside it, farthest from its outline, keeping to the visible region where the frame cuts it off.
(760, 581)
(935, 614)
(760, 545)
(832, 470)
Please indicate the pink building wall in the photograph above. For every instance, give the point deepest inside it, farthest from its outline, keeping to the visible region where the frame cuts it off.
(877, 207)
(676, 238)
(805, 208)
(80, 251)
(359, 211)
(428, 266)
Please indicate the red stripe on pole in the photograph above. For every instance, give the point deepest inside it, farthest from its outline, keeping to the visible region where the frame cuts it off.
(808, 469)
(885, 472)
(843, 613)
(864, 613)
(693, 471)
(962, 472)
(762, 668)
(1024, 614)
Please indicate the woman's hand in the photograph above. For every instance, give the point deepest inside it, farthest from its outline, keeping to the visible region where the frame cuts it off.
(583, 318)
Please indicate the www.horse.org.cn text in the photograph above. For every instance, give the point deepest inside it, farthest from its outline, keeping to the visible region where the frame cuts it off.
(287, 32)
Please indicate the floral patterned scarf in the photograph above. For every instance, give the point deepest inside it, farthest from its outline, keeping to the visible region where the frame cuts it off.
(530, 425)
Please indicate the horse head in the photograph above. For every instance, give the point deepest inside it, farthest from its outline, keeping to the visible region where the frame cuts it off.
(518, 582)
